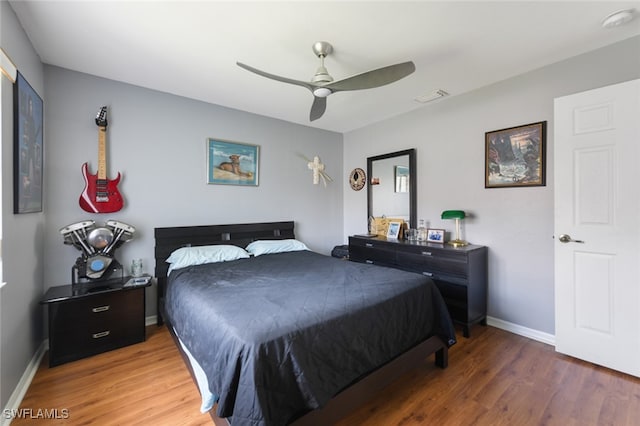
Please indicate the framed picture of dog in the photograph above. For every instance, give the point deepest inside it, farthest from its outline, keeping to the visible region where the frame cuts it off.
(232, 163)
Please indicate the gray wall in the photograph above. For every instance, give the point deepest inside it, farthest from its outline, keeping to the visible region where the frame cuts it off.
(515, 223)
(158, 142)
(21, 329)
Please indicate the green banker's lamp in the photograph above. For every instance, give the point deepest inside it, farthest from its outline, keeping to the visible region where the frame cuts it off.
(457, 215)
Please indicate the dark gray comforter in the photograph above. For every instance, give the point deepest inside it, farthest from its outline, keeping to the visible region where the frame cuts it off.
(280, 334)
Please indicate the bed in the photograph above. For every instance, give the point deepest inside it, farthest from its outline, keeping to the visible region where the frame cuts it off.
(292, 336)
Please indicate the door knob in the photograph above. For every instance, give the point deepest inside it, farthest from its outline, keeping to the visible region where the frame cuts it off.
(564, 238)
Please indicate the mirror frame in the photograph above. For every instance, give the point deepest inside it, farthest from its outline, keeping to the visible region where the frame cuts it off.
(413, 181)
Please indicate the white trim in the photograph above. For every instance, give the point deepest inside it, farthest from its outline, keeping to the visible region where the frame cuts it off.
(25, 381)
(151, 320)
(540, 336)
(7, 67)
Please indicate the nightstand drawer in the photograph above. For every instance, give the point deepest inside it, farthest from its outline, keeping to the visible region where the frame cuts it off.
(95, 311)
(82, 343)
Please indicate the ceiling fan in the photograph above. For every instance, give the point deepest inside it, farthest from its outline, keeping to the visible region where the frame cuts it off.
(322, 84)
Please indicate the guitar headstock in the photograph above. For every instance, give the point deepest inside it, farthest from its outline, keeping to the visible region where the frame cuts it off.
(101, 118)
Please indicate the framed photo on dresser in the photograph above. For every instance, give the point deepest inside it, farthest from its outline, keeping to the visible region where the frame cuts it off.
(435, 236)
(394, 230)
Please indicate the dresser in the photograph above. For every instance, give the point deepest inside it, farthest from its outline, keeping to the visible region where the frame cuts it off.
(90, 318)
(460, 273)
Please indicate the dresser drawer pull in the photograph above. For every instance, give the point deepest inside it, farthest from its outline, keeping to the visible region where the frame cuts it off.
(426, 253)
(428, 274)
(370, 262)
(101, 308)
(368, 244)
(101, 334)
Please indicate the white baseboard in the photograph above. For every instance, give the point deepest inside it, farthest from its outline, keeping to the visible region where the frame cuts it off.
(25, 381)
(540, 336)
(27, 377)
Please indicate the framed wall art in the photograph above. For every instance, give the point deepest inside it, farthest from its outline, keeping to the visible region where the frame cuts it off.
(28, 148)
(232, 163)
(516, 156)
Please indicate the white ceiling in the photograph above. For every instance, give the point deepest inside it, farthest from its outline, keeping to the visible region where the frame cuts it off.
(191, 48)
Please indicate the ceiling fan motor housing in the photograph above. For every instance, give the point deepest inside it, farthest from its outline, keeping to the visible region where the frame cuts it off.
(322, 76)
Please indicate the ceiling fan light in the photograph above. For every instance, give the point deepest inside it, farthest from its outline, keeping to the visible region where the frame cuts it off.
(321, 92)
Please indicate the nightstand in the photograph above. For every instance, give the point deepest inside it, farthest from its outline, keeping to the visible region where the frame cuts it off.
(90, 318)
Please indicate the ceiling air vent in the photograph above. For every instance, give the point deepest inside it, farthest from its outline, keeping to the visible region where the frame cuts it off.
(432, 96)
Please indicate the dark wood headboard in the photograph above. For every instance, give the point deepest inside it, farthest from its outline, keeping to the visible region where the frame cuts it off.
(173, 238)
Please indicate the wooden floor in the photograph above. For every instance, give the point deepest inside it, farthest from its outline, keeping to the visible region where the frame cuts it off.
(494, 378)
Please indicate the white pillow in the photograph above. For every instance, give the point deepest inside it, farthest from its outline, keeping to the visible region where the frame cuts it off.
(187, 256)
(259, 247)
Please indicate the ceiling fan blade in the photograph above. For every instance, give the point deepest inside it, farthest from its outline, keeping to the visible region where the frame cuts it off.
(374, 78)
(276, 77)
(317, 108)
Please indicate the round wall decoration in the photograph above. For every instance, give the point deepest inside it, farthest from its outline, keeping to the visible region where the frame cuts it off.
(357, 179)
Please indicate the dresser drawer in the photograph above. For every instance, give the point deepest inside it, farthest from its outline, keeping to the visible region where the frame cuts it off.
(371, 252)
(426, 262)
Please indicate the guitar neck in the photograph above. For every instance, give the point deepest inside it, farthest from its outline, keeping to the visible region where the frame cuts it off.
(102, 152)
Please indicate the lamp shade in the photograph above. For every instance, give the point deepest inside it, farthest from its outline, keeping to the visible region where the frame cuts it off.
(453, 214)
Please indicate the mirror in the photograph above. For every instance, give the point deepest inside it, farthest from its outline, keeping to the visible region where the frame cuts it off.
(391, 189)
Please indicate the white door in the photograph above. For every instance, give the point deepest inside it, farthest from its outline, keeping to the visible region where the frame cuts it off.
(597, 226)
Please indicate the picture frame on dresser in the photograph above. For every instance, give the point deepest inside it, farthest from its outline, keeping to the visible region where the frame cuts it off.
(394, 230)
(435, 236)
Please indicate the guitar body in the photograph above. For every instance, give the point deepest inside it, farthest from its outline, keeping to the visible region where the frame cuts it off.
(100, 195)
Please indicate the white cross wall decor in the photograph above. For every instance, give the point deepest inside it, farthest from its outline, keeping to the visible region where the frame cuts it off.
(318, 171)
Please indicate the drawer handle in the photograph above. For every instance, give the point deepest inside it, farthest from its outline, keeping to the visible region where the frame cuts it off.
(101, 308)
(370, 262)
(426, 253)
(428, 274)
(101, 334)
(368, 244)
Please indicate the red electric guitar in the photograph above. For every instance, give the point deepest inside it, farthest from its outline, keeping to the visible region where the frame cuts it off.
(100, 195)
